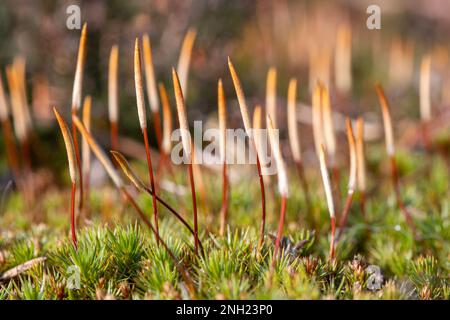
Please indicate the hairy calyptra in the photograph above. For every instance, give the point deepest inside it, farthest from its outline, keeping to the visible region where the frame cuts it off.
(389, 136)
(343, 59)
(294, 139)
(140, 102)
(317, 123)
(152, 91)
(113, 96)
(76, 102)
(118, 182)
(85, 152)
(187, 144)
(185, 59)
(72, 171)
(247, 125)
(271, 95)
(140, 185)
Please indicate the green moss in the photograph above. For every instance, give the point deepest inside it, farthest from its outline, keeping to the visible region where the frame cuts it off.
(121, 259)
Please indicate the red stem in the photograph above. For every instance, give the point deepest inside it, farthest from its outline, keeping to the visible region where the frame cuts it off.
(72, 216)
(176, 214)
(263, 203)
(333, 229)
(152, 180)
(224, 208)
(279, 235)
(396, 184)
(157, 121)
(194, 203)
(78, 158)
(344, 215)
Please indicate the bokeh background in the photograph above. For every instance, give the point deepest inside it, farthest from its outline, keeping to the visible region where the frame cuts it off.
(290, 35)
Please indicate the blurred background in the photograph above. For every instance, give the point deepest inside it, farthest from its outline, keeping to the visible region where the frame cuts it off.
(299, 38)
